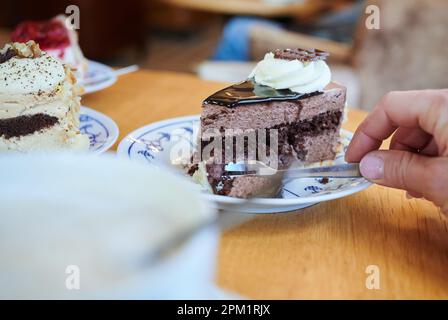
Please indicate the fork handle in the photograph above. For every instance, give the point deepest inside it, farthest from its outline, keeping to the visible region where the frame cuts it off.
(346, 170)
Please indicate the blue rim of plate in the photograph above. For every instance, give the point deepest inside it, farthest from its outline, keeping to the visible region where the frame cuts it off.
(98, 77)
(126, 146)
(102, 130)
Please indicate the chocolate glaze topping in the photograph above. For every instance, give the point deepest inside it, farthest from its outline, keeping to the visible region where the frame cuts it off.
(248, 91)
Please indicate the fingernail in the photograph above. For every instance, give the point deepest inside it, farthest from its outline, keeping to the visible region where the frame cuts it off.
(372, 167)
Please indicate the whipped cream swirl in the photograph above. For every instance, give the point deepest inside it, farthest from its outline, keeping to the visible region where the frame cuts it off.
(298, 76)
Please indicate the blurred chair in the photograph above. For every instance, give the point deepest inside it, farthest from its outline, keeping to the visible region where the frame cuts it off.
(408, 52)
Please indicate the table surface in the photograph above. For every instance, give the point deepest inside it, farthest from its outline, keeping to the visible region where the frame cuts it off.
(319, 252)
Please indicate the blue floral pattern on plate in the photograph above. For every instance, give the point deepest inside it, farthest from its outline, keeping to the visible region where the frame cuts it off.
(101, 130)
(98, 77)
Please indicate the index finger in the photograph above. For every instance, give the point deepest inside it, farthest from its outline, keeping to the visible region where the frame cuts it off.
(426, 109)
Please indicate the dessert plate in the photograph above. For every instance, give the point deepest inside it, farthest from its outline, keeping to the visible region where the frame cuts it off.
(158, 143)
(101, 130)
(98, 77)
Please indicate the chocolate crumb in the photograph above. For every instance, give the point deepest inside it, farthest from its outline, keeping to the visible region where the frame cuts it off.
(191, 170)
(10, 53)
(323, 180)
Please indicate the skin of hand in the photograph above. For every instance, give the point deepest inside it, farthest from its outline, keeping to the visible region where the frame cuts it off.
(417, 159)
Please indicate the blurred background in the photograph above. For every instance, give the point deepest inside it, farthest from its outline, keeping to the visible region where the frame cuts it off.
(222, 39)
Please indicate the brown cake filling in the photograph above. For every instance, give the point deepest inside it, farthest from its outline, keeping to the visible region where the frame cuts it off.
(220, 183)
(289, 135)
(325, 122)
(25, 125)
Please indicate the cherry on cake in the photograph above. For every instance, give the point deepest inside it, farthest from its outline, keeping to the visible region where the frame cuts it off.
(39, 101)
(56, 39)
(290, 94)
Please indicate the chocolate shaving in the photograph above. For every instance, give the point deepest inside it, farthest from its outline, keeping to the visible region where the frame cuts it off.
(301, 54)
(10, 53)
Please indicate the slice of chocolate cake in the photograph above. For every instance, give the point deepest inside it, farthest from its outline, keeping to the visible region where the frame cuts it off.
(287, 110)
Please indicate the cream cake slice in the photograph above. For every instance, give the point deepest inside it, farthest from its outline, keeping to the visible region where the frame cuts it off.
(39, 101)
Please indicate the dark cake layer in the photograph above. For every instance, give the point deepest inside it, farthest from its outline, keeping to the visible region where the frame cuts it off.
(325, 121)
(220, 183)
(324, 124)
(241, 187)
(25, 125)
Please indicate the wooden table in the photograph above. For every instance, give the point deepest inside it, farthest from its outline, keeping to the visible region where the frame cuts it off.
(319, 252)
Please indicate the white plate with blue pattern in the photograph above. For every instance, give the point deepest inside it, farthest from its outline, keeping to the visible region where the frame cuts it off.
(101, 130)
(98, 77)
(158, 143)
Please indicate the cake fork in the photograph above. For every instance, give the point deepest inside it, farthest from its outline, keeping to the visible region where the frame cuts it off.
(257, 168)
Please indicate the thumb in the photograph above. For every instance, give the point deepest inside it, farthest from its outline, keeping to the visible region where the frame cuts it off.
(409, 171)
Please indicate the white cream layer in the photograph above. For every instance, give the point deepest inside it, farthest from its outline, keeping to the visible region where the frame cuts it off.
(54, 138)
(73, 57)
(24, 75)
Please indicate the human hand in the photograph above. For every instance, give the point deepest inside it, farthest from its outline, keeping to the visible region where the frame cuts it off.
(417, 159)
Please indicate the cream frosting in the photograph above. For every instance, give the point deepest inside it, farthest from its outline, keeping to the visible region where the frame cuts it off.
(298, 76)
(30, 75)
(72, 57)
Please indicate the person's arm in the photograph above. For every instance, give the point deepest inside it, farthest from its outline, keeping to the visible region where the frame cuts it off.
(418, 157)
